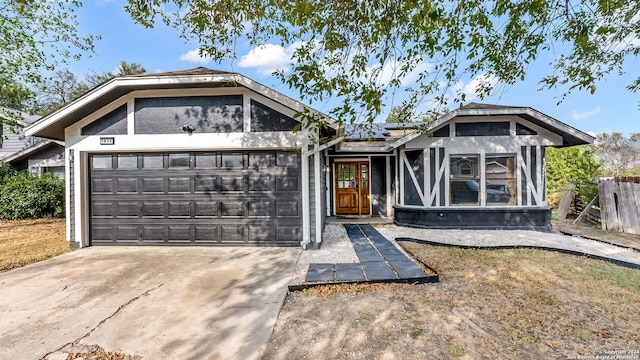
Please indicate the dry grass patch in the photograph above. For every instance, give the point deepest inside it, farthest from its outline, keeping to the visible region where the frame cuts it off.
(23, 242)
(490, 304)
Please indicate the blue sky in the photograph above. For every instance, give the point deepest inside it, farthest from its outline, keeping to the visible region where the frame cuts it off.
(611, 108)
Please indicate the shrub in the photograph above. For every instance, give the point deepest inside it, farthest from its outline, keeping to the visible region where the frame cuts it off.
(28, 197)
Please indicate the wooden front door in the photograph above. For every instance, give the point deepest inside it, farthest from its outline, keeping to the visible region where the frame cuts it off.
(352, 187)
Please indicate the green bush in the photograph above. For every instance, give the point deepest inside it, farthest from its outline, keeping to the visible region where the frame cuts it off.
(6, 171)
(29, 197)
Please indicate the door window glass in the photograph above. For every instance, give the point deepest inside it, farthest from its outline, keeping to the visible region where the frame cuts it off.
(101, 162)
(127, 161)
(153, 161)
(178, 160)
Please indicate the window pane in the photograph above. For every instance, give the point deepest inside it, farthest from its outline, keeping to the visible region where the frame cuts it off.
(260, 160)
(101, 162)
(464, 166)
(206, 161)
(153, 161)
(464, 192)
(464, 184)
(500, 182)
(287, 159)
(232, 160)
(178, 160)
(127, 161)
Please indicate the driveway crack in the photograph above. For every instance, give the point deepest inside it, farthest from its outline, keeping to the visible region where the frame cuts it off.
(118, 310)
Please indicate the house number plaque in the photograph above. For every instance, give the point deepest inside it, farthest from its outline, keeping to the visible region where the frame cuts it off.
(107, 141)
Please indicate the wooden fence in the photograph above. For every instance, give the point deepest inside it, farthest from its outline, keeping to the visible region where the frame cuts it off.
(620, 204)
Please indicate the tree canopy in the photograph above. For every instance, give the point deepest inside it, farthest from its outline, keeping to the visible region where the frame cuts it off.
(35, 38)
(366, 52)
(65, 86)
(620, 155)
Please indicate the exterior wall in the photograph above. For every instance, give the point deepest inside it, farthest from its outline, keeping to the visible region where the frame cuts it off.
(425, 168)
(11, 143)
(81, 145)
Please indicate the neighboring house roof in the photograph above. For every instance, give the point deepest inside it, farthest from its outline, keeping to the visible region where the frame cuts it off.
(25, 153)
(52, 126)
(26, 118)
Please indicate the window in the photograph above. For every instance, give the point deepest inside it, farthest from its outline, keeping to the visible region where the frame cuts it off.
(153, 161)
(500, 180)
(101, 162)
(207, 161)
(127, 161)
(232, 161)
(287, 159)
(464, 182)
(178, 160)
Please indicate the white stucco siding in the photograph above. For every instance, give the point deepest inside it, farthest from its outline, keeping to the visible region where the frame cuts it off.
(527, 150)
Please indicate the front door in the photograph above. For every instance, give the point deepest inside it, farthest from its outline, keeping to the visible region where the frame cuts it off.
(352, 187)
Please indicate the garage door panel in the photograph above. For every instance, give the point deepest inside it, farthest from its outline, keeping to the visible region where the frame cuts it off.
(287, 184)
(151, 233)
(102, 233)
(287, 208)
(232, 183)
(153, 209)
(152, 184)
(127, 233)
(262, 233)
(207, 234)
(102, 209)
(232, 209)
(261, 183)
(235, 198)
(181, 209)
(102, 185)
(127, 209)
(179, 233)
(206, 184)
(232, 233)
(127, 185)
(205, 209)
(260, 208)
(287, 233)
(179, 184)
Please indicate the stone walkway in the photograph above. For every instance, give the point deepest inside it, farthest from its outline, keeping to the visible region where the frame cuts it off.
(380, 261)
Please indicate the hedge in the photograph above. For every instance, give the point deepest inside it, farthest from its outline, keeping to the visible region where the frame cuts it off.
(29, 197)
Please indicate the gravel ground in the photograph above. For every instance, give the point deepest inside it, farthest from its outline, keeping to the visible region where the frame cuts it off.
(488, 238)
(336, 247)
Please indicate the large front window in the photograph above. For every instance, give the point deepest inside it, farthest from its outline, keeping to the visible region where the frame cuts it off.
(466, 178)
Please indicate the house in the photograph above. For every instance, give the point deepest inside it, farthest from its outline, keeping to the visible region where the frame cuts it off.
(12, 137)
(38, 156)
(205, 157)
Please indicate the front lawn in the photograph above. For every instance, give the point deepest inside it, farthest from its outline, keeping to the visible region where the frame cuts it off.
(23, 242)
(490, 304)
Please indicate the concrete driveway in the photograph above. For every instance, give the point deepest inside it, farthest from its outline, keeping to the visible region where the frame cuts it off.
(156, 302)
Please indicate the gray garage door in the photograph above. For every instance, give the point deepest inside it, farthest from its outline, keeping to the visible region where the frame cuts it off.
(212, 198)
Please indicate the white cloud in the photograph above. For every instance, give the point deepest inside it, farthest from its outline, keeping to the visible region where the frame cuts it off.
(472, 89)
(268, 58)
(194, 57)
(585, 115)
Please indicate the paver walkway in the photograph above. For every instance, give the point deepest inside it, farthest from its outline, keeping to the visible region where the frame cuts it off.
(380, 261)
